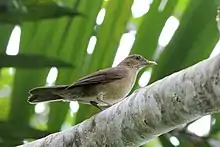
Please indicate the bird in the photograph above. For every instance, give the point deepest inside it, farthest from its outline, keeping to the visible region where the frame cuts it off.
(102, 88)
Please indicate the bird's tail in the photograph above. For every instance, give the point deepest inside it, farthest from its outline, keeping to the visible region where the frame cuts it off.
(45, 94)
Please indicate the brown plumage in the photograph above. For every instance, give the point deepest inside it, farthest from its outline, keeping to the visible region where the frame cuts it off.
(102, 88)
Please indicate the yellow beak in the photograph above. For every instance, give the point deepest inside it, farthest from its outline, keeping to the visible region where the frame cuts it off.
(151, 62)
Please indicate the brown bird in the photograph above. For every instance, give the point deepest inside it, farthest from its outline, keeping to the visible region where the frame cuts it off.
(102, 88)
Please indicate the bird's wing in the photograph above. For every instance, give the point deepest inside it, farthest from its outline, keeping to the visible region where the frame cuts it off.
(102, 76)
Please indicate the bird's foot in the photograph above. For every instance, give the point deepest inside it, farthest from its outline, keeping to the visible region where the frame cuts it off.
(95, 104)
(100, 97)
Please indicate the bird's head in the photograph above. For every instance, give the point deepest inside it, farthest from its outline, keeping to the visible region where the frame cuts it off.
(136, 61)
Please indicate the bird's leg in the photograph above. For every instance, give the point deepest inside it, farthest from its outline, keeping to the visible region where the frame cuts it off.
(95, 104)
(100, 97)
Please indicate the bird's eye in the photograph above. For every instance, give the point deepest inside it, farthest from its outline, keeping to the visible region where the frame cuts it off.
(138, 57)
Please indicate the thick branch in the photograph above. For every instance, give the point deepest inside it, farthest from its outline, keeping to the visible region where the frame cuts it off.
(149, 112)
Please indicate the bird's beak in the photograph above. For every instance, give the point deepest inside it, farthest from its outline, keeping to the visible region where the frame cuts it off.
(147, 62)
(151, 62)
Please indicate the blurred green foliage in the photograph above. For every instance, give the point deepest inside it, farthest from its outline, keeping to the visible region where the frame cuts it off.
(57, 34)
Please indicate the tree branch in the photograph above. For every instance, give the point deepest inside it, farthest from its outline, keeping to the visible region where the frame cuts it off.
(149, 112)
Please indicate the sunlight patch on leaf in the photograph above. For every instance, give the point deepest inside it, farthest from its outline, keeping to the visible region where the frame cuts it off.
(40, 108)
(52, 76)
(125, 46)
(140, 7)
(14, 41)
(174, 141)
(145, 78)
(162, 5)
(168, 31)
(201, 127)
(100, 16)
(74, 107)
(91, 45)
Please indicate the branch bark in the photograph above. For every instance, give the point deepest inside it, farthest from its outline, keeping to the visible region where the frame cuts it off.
(149, 112)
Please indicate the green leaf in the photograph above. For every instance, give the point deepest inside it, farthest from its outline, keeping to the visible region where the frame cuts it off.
(24, 80)
(5, 107)
(5, 30)
(36, 38)
(11, 134)
(217, 2)
(164, 140)
(181, 7)
(216, 127)
(109, 34)
(31, 61)
(38, 11)
(190, 43)
(6, 77)
(149, 30)
(191, 140)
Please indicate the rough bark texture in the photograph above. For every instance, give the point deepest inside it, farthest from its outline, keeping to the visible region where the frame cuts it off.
(149, 112)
